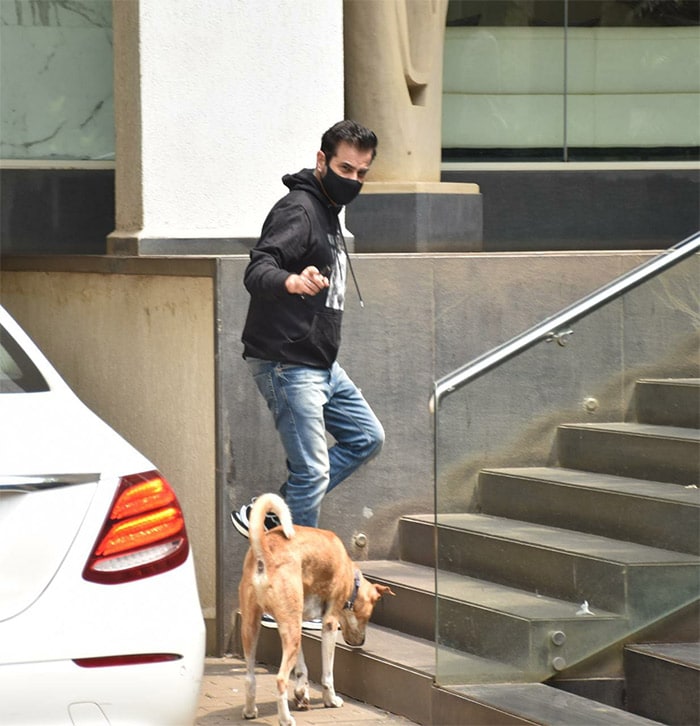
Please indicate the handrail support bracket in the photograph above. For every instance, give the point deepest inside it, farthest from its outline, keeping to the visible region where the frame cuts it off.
(561, 336)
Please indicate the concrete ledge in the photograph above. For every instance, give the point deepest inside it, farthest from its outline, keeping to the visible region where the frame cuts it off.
(417, 217)
(420, 188)
(187, 266)
(125, 243)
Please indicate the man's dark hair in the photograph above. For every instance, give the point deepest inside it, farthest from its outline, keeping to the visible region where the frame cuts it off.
(353, 133)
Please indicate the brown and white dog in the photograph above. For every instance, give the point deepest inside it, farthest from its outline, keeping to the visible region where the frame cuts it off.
(296, 573)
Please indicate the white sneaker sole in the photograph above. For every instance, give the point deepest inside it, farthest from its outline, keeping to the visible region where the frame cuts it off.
(239, 527)
(312, 625)
(305, 625)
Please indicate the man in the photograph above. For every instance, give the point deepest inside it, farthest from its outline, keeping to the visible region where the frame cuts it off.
(296, 279)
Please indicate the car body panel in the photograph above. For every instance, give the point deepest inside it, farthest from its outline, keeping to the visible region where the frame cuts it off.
(61, 467)
(41, 525)
(158, 694)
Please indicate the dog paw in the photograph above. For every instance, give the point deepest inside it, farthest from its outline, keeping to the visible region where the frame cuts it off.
(333, 702)
(249, 714)
(302, 702)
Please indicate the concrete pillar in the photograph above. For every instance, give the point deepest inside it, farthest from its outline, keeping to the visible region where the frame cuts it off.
(393, 76)
(393, 71)
(214, 102)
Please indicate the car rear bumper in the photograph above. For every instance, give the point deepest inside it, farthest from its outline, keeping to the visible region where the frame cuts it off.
(61, 692)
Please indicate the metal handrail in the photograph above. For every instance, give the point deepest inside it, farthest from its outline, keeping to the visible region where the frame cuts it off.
(556, 327)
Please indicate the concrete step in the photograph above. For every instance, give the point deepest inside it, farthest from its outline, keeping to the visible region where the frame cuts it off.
(536, 634)
(392, 671)
(663, 681)
(397, 672)
(637, 450)
(536, 703)
(668, 401)
(639, 581)
(657, 514)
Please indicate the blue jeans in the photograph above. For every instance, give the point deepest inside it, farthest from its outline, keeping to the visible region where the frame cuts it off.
(305, 403)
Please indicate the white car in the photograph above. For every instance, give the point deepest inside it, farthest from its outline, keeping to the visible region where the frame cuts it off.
(100, 620)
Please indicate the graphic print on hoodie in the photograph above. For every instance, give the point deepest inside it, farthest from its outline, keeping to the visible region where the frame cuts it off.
(302, 229)
(335, 297)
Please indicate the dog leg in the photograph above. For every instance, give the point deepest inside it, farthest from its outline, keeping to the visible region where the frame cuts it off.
(291, 646)
(328, 636)
(250, 630)
(302, 701)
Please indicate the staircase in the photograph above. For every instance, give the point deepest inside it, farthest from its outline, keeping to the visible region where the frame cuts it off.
(549, 591)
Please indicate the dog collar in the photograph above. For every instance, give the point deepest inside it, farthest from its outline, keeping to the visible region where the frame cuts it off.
(350, 604)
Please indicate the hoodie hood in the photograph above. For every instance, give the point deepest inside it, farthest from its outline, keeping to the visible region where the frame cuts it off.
(305, 181)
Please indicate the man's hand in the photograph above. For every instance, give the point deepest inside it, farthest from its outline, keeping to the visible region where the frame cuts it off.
(309, 282)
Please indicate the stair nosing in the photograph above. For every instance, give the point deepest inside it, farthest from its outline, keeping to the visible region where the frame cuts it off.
(640, 430)
(656, 555)
(603, 483)
(658, 652)
(498, 590)
(488, 694)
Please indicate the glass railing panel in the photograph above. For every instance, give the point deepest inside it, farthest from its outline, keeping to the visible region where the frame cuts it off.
(564, 525)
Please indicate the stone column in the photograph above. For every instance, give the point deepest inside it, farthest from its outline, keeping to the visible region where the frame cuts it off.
(214, 102)
(393, 77)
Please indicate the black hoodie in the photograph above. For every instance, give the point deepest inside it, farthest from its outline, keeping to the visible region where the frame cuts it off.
(301, 229)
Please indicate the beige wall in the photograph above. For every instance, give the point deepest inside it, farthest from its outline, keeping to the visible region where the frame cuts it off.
(157, 364)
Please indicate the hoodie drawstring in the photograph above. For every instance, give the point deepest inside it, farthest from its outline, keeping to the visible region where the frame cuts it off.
(352, 271)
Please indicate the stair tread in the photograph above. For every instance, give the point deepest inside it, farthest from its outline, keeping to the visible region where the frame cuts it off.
(554, 538)
(481, 593)
(412, 653)
(662, 491)
(546, 705)
(655, 431)
(687, 654)
(692, 382)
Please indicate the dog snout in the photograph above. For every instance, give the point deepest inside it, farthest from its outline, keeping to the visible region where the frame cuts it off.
(354, 638)
(355, 643)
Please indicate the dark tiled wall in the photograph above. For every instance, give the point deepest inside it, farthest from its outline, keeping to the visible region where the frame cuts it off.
(585, 209)
(56, 211)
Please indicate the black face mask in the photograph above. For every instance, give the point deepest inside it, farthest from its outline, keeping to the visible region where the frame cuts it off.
(340, 190)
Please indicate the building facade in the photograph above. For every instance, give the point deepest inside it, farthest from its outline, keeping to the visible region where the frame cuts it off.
(142, 147)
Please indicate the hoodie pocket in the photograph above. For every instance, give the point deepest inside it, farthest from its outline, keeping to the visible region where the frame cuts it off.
(320, 345)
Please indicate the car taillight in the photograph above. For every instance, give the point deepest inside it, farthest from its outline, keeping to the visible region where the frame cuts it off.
(143, 535)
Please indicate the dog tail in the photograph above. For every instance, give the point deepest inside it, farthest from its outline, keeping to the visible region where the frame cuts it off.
(256, 527)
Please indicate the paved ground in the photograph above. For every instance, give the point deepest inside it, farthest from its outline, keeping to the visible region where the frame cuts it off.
(222, 696)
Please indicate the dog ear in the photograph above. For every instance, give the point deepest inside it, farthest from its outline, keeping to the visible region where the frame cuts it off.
(383, 590)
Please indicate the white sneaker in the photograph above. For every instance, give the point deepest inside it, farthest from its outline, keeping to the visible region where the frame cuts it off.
(267, 621)
(240, 519)
(315, 624)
